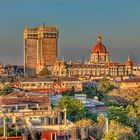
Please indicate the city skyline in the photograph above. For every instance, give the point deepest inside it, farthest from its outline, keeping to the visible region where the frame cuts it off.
(79, 23)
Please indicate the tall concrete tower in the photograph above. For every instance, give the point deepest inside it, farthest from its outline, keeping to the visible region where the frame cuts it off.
(40, 48)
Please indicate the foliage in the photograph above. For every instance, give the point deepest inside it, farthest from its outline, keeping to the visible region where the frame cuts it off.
(99, 130)
(112, 102)
(90, 92)
(73, 106)
(103, 88)
(75, 109)
(90, 115)
(134, 110)
(123, 110)
(117, 131)
(124, 96)
(119, 114)
(85, 123)
(11, 131)
(5, 89)
(105, 85)
(69, 93)
(134, 116)
(124, 132)
(112, 135)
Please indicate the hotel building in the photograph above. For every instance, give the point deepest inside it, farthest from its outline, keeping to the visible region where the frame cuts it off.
(98, 65)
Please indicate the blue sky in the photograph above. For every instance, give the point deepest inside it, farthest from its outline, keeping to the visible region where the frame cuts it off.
(79, 23)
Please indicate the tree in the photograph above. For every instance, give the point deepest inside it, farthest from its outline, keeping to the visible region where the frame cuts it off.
(90, 92)
(68, 93)
(10, 131)
(124, 132)
(112, 103)
(119, 114)
(85, 123)
(104, 85)
(73, 106)
(134, 110)
(112, 135)
(99, 130)
(134, 116)
(5, 89)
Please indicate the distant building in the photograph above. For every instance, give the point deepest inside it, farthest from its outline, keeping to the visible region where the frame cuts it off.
(97, 66)
(130, 84)
(99, 54)
(81, 97)
(50, 85)
(22, 100)
(136, 71)
(40, 48)
(10, 70)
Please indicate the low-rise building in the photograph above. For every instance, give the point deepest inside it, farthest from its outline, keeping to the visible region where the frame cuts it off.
(130, 84)
(21, 100)
(92, 104)
(50, 85)
(136, 70)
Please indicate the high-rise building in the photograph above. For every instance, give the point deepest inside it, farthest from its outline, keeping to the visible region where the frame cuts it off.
(40, 48)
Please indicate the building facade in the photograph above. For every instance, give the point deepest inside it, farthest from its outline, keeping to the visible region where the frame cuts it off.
(40, 48)
(98, 65)
(130, 84)
(136, 71)
(99, 53)
(50, 85)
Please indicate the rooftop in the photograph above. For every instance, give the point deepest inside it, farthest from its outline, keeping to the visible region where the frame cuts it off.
(131, 80)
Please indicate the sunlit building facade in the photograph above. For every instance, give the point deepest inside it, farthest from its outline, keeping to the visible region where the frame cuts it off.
(98, 65)
(40, 48)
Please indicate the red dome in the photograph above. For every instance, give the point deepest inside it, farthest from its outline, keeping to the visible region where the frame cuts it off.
(63, 64)
(99, 47)
(56, 63)
(129, 63)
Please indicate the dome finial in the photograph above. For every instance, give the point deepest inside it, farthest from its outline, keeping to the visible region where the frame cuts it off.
(128, 57)
(99, 39)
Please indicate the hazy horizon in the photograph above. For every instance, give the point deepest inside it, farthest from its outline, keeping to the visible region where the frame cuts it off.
(79, 23)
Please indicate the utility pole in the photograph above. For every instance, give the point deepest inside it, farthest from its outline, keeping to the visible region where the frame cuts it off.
(65, 116)
(106, 125)
(4, 128)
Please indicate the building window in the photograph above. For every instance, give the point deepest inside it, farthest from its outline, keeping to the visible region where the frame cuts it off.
(53, 136)
(27, 85)
(32, 85)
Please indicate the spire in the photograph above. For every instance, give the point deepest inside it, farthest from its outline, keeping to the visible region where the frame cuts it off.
(99, 39)
(63, 59)
(128, 57)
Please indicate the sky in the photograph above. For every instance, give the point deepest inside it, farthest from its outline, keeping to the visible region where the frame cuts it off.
(79, 23)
